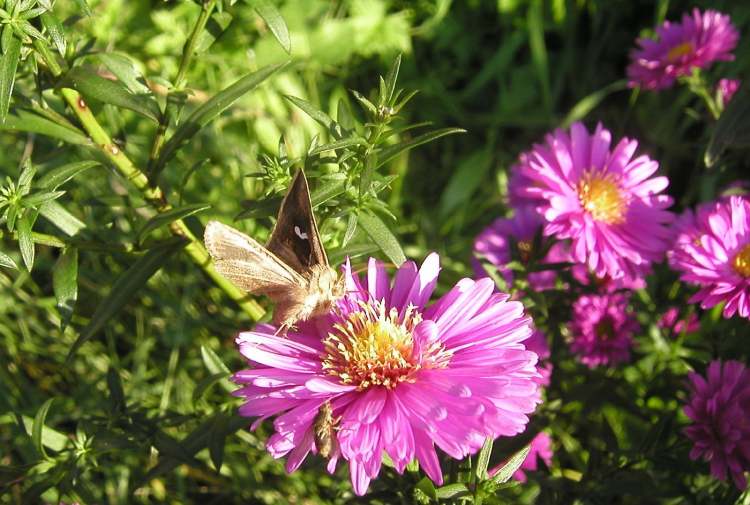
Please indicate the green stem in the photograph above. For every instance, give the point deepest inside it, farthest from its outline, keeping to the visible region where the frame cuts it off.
(153, 194)
(179, 83)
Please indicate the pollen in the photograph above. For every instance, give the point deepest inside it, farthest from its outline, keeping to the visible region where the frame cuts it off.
(679, 51)
(600, 195)
(741, 262)
(375, 346)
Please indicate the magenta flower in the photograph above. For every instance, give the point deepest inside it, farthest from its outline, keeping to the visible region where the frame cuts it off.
(725, 90)
(493, 244)
(675, 325)
(605, 201)
(719, 407)
(602, 329)
(696, 42)
(395, 374)
(712, 250)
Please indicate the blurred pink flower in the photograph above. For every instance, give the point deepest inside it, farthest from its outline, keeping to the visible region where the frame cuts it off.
(494, 245)
(675, 325)
(712, 250)
(399, 375)
(604, 200)
(696, 42)
(537, 343)
(719, 407)
(725, 90)
(602, 329)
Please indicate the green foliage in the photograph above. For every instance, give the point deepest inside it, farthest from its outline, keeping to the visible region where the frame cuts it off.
(126, 124)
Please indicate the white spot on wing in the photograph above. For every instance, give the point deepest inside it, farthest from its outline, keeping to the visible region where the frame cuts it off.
(300, 233)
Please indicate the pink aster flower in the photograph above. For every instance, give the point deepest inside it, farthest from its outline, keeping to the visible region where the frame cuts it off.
(388, 372)
(675, 325)
(493, 244)
(696, 42)
(712, 250)
(719, 407)
(725, 90)
(604, 200)
(602, 329)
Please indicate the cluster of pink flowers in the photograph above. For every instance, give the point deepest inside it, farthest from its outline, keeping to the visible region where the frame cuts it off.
(400, 376)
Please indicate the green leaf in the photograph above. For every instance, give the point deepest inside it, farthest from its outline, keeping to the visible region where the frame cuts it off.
(7, 262)
(36, 431)
(25, 241)
(588, 103)
(216, 441)
(215, 366)
(388, 153)
(92, 86)
(732, 128)
(216, 25)
(125, 70)
(28, 122)
(62, 174)
(275, 23)
(452, 491)
(390, 80)
(382, 236)
(116, 393)
(65, 284)
(329, 186)
(50, 438)
(60, 217)
(535, 26)
(339, 144)
(426, 486)
(8, 65)
(55, 30)
(465, 180)
(514, 463)
(211, 109)
(483, 460)
(205, 384)
(351, 228)
(318, 115)
(36, 199)
(124, 289)
(165, 218)
(84, 7)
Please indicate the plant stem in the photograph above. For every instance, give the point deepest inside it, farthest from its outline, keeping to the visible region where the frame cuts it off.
(152, 193)
(179, 82)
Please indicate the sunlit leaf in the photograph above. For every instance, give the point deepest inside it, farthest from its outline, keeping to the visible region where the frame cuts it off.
(382, 236)
(275, 22)
(65, 284)
(8, 65)
(170, 216)
(36, 431)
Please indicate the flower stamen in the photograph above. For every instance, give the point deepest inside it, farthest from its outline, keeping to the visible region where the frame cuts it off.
(741, 262)
(600, 196)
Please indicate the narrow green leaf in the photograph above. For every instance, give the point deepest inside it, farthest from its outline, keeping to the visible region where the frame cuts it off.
(588, 103)
(7, 262)
(732, 128)
(483, 460)
(205, 384)
(329, 186)
(55, 30)
(260, 208)
(62, 174)
(125, 70)
(452, 491)
(318, 115)
(8, 65)
(92, 86)
(116, 393)
(275, 23)
(124, 289)
(367, 104)
(65, 284)
(217, 24)
(465, 180)
(351, 228)
(165, 218)
(382, 236)
(535, 25)
(36, 431)
(29, 122)
(211, 109)
(27, 175)
(50, 438)
(390, 80)
(216, 441)
(25, 241)
(60, 217)
(36, 199)
(514, 463)
(388, 153)
(339, 144)
(84, 7)
(215, 365)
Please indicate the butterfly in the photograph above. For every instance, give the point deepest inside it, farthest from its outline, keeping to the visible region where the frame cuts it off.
(292, 269)
(324, 429)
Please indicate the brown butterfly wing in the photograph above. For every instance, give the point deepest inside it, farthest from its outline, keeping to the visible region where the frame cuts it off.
(248, 264)
(295, 238)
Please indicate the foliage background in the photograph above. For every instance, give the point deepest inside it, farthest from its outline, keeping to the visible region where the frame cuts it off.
(141, 413)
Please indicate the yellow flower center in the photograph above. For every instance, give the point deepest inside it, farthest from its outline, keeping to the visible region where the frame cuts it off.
(375, 347)
(600, 196)
(679, 51)
(741, 261)
(524, 249)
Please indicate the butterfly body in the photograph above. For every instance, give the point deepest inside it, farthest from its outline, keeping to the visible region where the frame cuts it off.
(292, 269)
